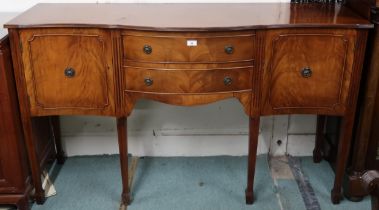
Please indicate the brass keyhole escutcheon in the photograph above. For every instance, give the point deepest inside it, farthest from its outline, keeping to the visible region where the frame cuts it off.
(148, 82)
(229, 49)
(147, 49)
(69, 72)
(306, 72)
(228, 81)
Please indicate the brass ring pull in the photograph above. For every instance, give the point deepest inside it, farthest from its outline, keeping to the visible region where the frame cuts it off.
(228, 81)
(229, 49)
(147, 49)
(69, 72)
(306, 72)
(148, 82)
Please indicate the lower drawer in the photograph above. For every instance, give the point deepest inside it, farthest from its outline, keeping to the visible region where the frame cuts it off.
(187, 81)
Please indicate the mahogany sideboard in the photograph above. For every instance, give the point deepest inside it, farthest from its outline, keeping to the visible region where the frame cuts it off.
(277, 58)
(15, 182)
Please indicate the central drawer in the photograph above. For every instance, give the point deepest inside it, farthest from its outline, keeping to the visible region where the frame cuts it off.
(171, 47)
(187, 81)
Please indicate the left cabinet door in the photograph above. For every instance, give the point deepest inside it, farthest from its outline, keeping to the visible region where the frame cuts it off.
(68, 71)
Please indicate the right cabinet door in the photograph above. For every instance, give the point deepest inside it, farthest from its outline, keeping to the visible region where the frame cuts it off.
(307, 70)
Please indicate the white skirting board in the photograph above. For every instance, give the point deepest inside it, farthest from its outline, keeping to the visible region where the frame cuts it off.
(156, 129)
(147, 145)
(221, 128)
(301, 145)
(211, 145)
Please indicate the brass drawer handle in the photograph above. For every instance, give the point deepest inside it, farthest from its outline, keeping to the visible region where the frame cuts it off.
(229, 49)
(306, 72)
(148, 82)
(69, 72)
(228, 81)
(147, 49)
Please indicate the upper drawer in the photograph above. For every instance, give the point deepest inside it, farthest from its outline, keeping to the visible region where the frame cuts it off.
(172, 47)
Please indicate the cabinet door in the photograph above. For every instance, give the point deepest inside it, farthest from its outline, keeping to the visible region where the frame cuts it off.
(68, 71)
(13, 168)
(308, 71)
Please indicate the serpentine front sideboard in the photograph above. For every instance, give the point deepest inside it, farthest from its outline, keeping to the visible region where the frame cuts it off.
(278, 58)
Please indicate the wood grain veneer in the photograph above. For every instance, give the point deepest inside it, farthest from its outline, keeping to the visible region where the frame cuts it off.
(172, 47)
(329, 55)
(171, 81)
(48, 53)
(274, 58)
(189, 17)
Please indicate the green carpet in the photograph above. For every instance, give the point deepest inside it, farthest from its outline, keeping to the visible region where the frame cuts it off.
(322, 178)
(185, 183)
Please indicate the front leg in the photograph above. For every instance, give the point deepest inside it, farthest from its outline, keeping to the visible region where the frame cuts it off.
(123, 147)
(253, 143)
(35, 168)
(342, 156)
(23, 203)
(56, 128)
(317, 152)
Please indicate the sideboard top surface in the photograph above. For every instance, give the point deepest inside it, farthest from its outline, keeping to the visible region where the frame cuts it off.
(189, 17)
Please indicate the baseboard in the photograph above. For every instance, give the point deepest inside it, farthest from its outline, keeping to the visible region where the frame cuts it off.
(165, 143)
(301, 144)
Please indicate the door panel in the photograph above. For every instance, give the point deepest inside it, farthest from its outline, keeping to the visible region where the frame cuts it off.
(69, 70)
(308, 70)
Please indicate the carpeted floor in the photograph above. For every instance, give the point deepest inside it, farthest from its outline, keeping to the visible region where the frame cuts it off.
(183, 183)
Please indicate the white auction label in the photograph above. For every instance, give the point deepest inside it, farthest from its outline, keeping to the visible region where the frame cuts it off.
(191, 43)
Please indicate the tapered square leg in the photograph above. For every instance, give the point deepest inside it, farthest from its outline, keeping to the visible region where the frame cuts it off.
(56, 128)
(336, 195)
(317, 152)
(23, 204)
(35, 168)
(123, 147)
(342, 156)
(252, 156)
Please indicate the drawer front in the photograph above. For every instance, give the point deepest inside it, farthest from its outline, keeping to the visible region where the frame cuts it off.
(309, 70)
(192, 48)
(68, 70)
(187, 81)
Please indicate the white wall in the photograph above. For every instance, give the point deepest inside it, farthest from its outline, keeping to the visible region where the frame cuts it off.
(156, 129)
